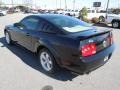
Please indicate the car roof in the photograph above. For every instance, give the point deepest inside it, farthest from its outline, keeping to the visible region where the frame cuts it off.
(47, 16)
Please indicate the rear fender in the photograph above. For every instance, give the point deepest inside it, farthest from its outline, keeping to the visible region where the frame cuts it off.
(50, 48)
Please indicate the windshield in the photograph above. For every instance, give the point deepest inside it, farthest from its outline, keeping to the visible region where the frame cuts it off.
(69, 24)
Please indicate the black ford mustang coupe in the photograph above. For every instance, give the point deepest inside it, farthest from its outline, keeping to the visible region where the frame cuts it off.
(62, 41)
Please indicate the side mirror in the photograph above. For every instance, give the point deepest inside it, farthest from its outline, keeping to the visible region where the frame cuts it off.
(18, 25)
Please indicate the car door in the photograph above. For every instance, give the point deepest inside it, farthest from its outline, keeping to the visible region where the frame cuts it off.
(24, 37)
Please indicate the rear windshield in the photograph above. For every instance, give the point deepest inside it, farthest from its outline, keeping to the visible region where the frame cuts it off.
(69, 24)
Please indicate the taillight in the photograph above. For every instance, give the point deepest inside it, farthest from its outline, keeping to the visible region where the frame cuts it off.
(88, 49)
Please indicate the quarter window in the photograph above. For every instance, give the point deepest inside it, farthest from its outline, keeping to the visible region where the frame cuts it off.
(30, 23)
(48, 28)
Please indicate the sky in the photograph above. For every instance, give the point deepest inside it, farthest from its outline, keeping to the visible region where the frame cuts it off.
(52, 4)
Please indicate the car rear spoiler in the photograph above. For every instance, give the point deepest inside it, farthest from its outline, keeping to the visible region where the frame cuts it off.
(96, 33)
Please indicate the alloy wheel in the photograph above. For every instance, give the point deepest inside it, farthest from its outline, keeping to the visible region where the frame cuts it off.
(115, 24)
(7, 37)
(46, 61)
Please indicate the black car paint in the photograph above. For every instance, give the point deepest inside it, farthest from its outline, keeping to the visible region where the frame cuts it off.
(65, 47)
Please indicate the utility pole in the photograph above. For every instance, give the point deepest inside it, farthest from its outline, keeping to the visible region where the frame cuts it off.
(12, 3)
(118, 4)
(56, 4)
(0, 3)
(73, 4)
(65, 5)
(60, 4)
(35, 5)
(107, 7)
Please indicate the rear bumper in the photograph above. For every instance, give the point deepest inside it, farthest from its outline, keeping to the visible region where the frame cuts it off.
(88, 64)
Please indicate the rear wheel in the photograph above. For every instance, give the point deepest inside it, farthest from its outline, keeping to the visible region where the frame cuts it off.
(8, 38)
(116, 24)
(47, 61)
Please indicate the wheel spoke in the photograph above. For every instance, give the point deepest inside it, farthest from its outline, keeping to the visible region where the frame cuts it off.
(47, 56)
(48, 66)
(43, 56)
(44, 61)
(50, 62)
(48, 59)
(7, 38)
(115, 24)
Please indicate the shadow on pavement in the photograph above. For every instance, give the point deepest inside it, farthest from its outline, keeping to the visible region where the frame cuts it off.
(31, 59)
(101, 25)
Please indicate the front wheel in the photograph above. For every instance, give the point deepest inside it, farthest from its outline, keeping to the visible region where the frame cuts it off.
(47, 61)
(8, 38)
(116, 24)
(101, 19)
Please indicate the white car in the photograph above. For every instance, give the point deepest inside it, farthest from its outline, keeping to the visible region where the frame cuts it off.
(3, 13)
(34, 12)
(72, 12)
(113, 19)
(60, 12)
(94, 13)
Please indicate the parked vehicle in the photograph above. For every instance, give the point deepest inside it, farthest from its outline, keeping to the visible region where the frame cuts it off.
(34, 11)
(11, 11)
(49, 12)
(27, 11)
(62, 41)
(3, 12)
(60, 12)
(42, 11)
(17, 10)
(71, 13)
(95, 14)
(113, 19)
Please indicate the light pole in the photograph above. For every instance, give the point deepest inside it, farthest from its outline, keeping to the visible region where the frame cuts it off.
(107, 7)
(12, 3)
(0, 3)
(56, 4)
(35, 5)
(73, 4)
(65, 5)
(60, 4)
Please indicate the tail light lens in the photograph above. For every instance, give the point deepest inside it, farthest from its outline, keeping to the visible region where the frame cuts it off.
(88, 49)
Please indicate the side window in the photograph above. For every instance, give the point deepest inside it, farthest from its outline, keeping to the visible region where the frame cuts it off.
(48, 28)
(41, 25)
(30, 23)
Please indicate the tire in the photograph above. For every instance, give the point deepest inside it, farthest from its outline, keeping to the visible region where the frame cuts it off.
(116, 24)
(8, 38)
(101, 19)
(48, 61)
